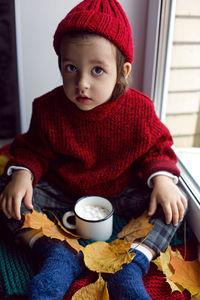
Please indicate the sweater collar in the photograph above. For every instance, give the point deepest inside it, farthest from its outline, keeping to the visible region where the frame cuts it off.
(98, 113)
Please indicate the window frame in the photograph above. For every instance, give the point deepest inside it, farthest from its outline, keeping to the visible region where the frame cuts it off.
(156, 77)
(155, 84)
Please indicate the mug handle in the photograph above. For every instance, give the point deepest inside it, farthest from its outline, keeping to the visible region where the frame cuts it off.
(65, 222)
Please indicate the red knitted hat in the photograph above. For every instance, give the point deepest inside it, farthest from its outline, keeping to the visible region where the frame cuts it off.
(103, 17)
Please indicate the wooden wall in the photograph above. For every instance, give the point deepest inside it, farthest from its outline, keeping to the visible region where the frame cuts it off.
(183, 104)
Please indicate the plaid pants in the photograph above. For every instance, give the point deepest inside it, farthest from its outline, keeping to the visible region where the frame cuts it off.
(131, 202)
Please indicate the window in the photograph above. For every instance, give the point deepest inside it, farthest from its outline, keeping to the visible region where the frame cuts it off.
(174, 39)
(183, 96)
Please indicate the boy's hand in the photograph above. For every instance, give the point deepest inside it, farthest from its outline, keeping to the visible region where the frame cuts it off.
(168, 195)
(19, 188)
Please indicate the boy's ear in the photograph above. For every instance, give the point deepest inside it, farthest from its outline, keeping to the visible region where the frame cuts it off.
(127, 69)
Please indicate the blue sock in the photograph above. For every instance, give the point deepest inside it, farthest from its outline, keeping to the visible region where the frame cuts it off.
(127, 284)
(59, 269)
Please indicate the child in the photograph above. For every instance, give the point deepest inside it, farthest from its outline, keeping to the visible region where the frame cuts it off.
(93, 136)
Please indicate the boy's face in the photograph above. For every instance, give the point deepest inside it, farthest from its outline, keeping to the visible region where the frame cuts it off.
(89, 70)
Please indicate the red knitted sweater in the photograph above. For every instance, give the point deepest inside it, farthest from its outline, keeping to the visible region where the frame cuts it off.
(96, 152)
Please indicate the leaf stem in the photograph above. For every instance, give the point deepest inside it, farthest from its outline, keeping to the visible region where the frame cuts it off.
(130, 250)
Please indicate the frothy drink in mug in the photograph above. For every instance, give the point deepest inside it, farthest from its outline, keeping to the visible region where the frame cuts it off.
(93, 218)
(92, 212)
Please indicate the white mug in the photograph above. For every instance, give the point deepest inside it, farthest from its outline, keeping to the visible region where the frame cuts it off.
(98, 228)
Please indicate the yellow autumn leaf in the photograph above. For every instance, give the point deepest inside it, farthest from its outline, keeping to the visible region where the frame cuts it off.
(74, 244)
(53, 231)
(61, 226)
(186, 273)
(163, 264)
(3, 161)
(136, 228)
(107, 257)
(94, 291)
(196, 296)
(37, 220)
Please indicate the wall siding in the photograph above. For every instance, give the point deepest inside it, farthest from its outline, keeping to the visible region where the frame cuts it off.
(183, 103)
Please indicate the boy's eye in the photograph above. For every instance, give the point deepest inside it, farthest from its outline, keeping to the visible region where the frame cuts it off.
(70, 68)
(97, 71)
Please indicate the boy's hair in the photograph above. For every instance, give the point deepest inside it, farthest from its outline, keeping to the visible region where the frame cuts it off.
(122, 82)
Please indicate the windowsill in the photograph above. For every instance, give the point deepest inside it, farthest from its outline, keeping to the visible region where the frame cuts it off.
(190, 157)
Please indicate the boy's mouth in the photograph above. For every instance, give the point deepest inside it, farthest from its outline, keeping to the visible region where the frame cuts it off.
(83, 99)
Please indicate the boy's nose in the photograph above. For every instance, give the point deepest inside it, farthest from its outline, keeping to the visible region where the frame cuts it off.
(83, 82)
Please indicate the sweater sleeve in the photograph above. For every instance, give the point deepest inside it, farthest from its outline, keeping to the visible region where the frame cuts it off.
(31, 149)
(159, 155)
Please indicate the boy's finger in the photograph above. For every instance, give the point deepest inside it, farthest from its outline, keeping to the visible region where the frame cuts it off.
(168, 213)
(28, 201)
(16, 207)
(175, 215)
(152, 206)
(184, 201)
(6, 214)
(8, 204)
(4, 209)
(181, 210)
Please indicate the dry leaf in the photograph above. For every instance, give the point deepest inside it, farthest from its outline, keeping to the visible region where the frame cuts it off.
(37, 220)
(53, 231)
(61, 226)
(197, 296)
(74, 244)
(163, 263)
(180, 274)
(186, 273)
(136, 228)
(3, 161)
(107, 257)
(94, 291)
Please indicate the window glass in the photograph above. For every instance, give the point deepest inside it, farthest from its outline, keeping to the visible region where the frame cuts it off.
(183, 95)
